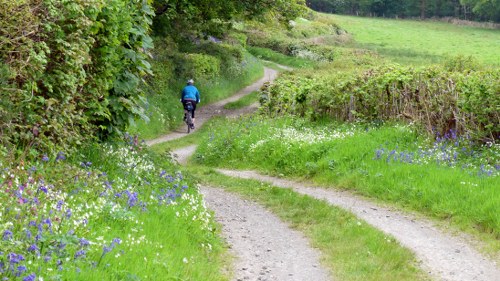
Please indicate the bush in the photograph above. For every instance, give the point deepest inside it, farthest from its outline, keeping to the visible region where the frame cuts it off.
(439, 100)
(75, 70)
(201, 66)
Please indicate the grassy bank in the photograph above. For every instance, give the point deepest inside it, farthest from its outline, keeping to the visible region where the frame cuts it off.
(449, 179)
(105, 213)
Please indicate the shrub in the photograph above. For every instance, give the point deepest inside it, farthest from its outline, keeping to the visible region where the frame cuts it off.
(75, 69)
(439, 100)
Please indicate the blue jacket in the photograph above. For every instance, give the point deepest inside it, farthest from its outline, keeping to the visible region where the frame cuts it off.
(190, 92)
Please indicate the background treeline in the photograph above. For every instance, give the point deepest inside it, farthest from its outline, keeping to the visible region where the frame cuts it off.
(480, 10)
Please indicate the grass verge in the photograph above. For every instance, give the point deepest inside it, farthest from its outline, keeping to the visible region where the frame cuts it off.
(268, 54)
(449, 180)
(109, 212)
(351, 249)
(245, 101)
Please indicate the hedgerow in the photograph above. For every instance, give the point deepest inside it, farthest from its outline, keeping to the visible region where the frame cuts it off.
(439, 99)
(71, 70)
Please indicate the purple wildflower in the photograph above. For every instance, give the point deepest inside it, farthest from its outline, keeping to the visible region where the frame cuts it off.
(7, 235)
(84, 242)
(31, 277)
(20, 270)
(45, 158)
(68, 213)
(60, 156)
(79, 253)
(59, 205)
(33, 248)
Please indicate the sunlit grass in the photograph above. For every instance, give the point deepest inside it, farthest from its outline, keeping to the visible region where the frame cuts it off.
(247, 100)
(268, 54)
(422, 41)
(463, 193)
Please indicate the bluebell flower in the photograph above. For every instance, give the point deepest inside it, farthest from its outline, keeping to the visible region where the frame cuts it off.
(45, 158)
(84, 242)
(7, 235)
(31, 277)
(68, 213)
(60, 156)
(59, 205)
(20, 270)
(28, 234)
(33, 248)
(79, 253)
(47, 221)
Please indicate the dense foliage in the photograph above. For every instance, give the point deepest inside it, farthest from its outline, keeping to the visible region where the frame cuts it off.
(464, 9)
(71, 70)
(439, 99)
(183, 18)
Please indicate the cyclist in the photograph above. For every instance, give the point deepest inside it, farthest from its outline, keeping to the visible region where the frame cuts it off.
(190, 94)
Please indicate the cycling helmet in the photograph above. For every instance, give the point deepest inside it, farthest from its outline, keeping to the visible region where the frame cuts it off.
(190, 81)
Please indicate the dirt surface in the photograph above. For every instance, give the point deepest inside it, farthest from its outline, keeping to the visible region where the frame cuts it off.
(444, 256)
(265, 248)
(207, 111)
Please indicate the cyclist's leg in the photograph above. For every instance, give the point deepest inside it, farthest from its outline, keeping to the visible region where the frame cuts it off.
(194, 109)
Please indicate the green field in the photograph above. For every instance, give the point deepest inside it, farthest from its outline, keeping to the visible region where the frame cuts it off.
(410, 41)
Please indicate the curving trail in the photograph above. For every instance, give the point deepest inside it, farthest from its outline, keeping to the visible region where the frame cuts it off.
(203, 114)
(261, 242)
(444, 256)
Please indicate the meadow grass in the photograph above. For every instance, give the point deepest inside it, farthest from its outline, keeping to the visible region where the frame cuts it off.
(351, 249)
(165, 111)
(411, 41)
(456, 183)
(245, 101)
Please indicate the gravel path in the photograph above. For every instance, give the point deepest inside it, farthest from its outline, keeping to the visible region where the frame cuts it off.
(444, 256)
(204, 113)
(265, 248)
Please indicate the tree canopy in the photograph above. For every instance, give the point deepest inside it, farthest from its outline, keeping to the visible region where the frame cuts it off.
(183, 17)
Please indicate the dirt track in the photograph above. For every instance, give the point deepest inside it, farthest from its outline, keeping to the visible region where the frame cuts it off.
(264, 254)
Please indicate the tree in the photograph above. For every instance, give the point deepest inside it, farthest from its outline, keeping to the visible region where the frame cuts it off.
(187, 17)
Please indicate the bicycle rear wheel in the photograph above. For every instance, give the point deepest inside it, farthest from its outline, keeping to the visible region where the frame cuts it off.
(189, 121)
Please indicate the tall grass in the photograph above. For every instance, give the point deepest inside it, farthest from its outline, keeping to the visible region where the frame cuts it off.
(449, 179)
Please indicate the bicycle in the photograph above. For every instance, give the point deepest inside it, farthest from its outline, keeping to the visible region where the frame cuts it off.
(188, 113)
